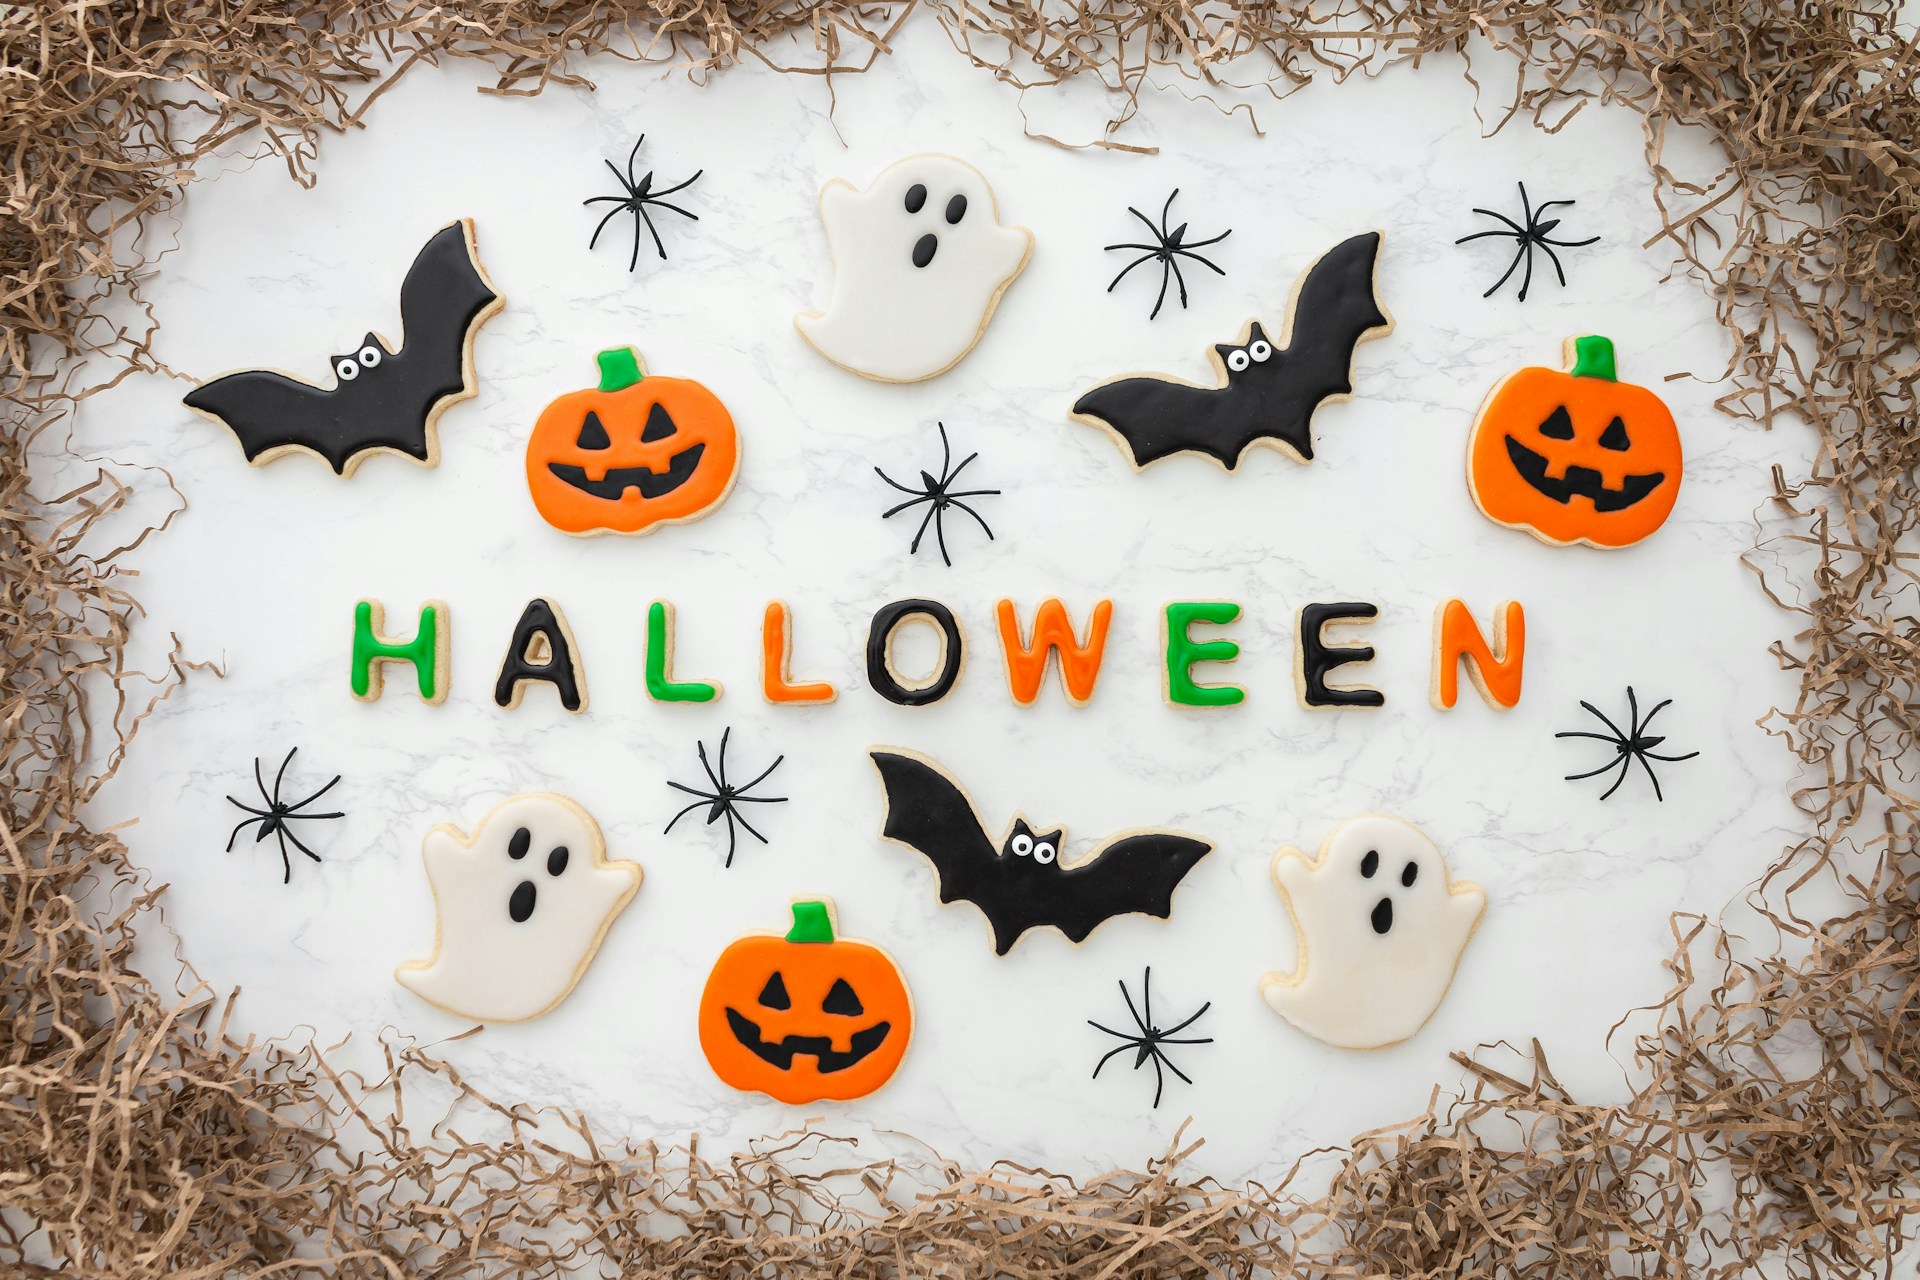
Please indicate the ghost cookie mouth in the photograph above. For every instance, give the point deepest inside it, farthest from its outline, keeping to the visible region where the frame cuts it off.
(780, 1053)
(614, 485)
(1580, 482)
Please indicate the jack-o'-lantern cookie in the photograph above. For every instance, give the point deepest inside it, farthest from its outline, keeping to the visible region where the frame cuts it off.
(632, 454)
(1575, 455)
(805, 1015)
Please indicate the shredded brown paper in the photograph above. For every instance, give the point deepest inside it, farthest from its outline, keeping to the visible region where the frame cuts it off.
(1773, 1126)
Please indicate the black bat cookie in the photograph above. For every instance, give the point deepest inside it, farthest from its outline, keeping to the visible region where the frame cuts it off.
(383, 398)
(1020, 883)
(1267, 392)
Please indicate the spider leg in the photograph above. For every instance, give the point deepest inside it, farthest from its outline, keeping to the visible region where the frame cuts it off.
(1151, 249)
(603, 223)
(630, 158)
(605, 199)
(741, 818)
(1174, 265)
(719, 781)
(1188, 246)
(643, 216)
(1656, 711)
(1110, 1031)
(280, 776)
(1518, 254)
(722, 766)
(940, 532)
(685, 213)
(1202, 261)
(732, 839)
(954, 474)
(1575, 777)
(1189, 1022)
(259, 782)
(684, 812)
(762, 778)
(1633, 715)
(1166, 209)
(286, 863)
(1526, 281)
(946, 453)
(1114, 1053)
(1517, 228)
(1157, 233)
(1527, 211)
(913, 547)
(1604, 720)
(911, 502)
(1623, 762)
(1166, 273)
(1128, 997)
(977, 519)
(1567, 244)
(265, 813)
(1147, 257)
(1146, 996)
(1555, 259)
(951, 494)
(298, 845)
(1159, 1081)
(1670, 759)
(678, 186)
(1582, 733)
(895, 483)
(1651, 776)
(301, 804)
(1177, 1071)
(1482, 235)
(244, 824)
(1551, 204)
(626, 179)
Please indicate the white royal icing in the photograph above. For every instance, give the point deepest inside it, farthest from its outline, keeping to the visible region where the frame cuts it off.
(888, 318)
(486, 964)
(1355, 986)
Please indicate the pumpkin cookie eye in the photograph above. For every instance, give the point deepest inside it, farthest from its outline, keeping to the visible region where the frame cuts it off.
(774, 994)
(346, 369)
(842, 1000)
(1260, 351)
(1615, 437)
(1558, 425)
(1043, 852)
(593, 435)
(1238, 361)
(1022, 845)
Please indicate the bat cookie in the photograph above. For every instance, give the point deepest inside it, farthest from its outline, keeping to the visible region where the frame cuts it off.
(385, 399)
(1020, 883)
(1267, 391)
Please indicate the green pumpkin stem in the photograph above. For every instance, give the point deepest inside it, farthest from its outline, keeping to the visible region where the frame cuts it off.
(619, 369)
(812, 922)
(1593, 358)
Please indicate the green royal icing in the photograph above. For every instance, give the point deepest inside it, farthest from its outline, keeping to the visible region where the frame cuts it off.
(812, 922)
(660, 687)
(619, 368)
(1183, 652)
(1593, 358)
(421, 651)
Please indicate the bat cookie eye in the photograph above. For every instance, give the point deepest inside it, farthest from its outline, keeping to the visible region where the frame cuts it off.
(1238, 362)
(1022, 845)
(1260, 351)
(1043, 852)
(347, 369)
(370, 356)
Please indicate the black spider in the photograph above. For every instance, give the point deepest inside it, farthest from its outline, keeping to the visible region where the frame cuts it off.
(940, 495)
(721, 802)
(639, 194)
(1533, 233)
(1146, 1045)
(1628, 747)
(274, 818)
(1168, 247)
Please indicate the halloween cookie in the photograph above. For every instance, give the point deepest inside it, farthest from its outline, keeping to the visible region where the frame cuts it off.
(520, 908)
(384, 399)
(806, 1015)
(1575, 455)
(429, 652)
(1266, 391)
(920, 259)
(777, 684)
(661, 684)
(1495, 668)
(541, 652)
(1183, 652)
(1380, 930)
(1315, 657)
(886, 680)
(632, 454)
(1078, 661)
(1019, 882)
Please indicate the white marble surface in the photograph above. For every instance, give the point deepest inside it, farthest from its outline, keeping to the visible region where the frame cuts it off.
(261, 573)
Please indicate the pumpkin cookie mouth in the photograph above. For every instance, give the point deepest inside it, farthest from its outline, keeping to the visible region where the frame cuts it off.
(650, 483)
(820, 1048)
(1579, 482)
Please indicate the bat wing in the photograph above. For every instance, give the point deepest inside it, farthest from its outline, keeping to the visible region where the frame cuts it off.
(443, 302)
(929, 813)
(1333, 310)
(1154, 417)
(265, 410)
(1136, 873)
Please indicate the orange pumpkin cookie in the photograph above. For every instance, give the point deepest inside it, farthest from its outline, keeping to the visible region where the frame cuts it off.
(1575, 456)
(632, 454)
(807, 1015)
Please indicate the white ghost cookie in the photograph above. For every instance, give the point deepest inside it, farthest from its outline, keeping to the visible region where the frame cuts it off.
(521, 906)
(1380, 927)
(919, 263)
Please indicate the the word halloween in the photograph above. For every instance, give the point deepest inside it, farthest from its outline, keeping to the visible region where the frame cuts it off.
(542, 651)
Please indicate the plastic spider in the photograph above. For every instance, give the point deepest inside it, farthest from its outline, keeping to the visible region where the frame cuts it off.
(274, 819)
(1533, 233)
(724, 799)
(939, 494)
(639, 194)
(1167, 249)
(1146, 1045)
(1628, 747)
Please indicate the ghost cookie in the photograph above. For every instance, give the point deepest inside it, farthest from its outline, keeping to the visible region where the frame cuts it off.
(920, 260)
(521, 906)
(1380, 928)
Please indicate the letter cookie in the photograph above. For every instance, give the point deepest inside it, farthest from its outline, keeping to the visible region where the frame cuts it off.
(541, 651)
(428, 651)
(661, 686)
(1494, 669)
(1183, 651)
(521, 907)
(1315, 659)
(776, 656)
(805, 1016)
(1079, 663)
(920, 260)
(1380, 929)
(885, 679)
